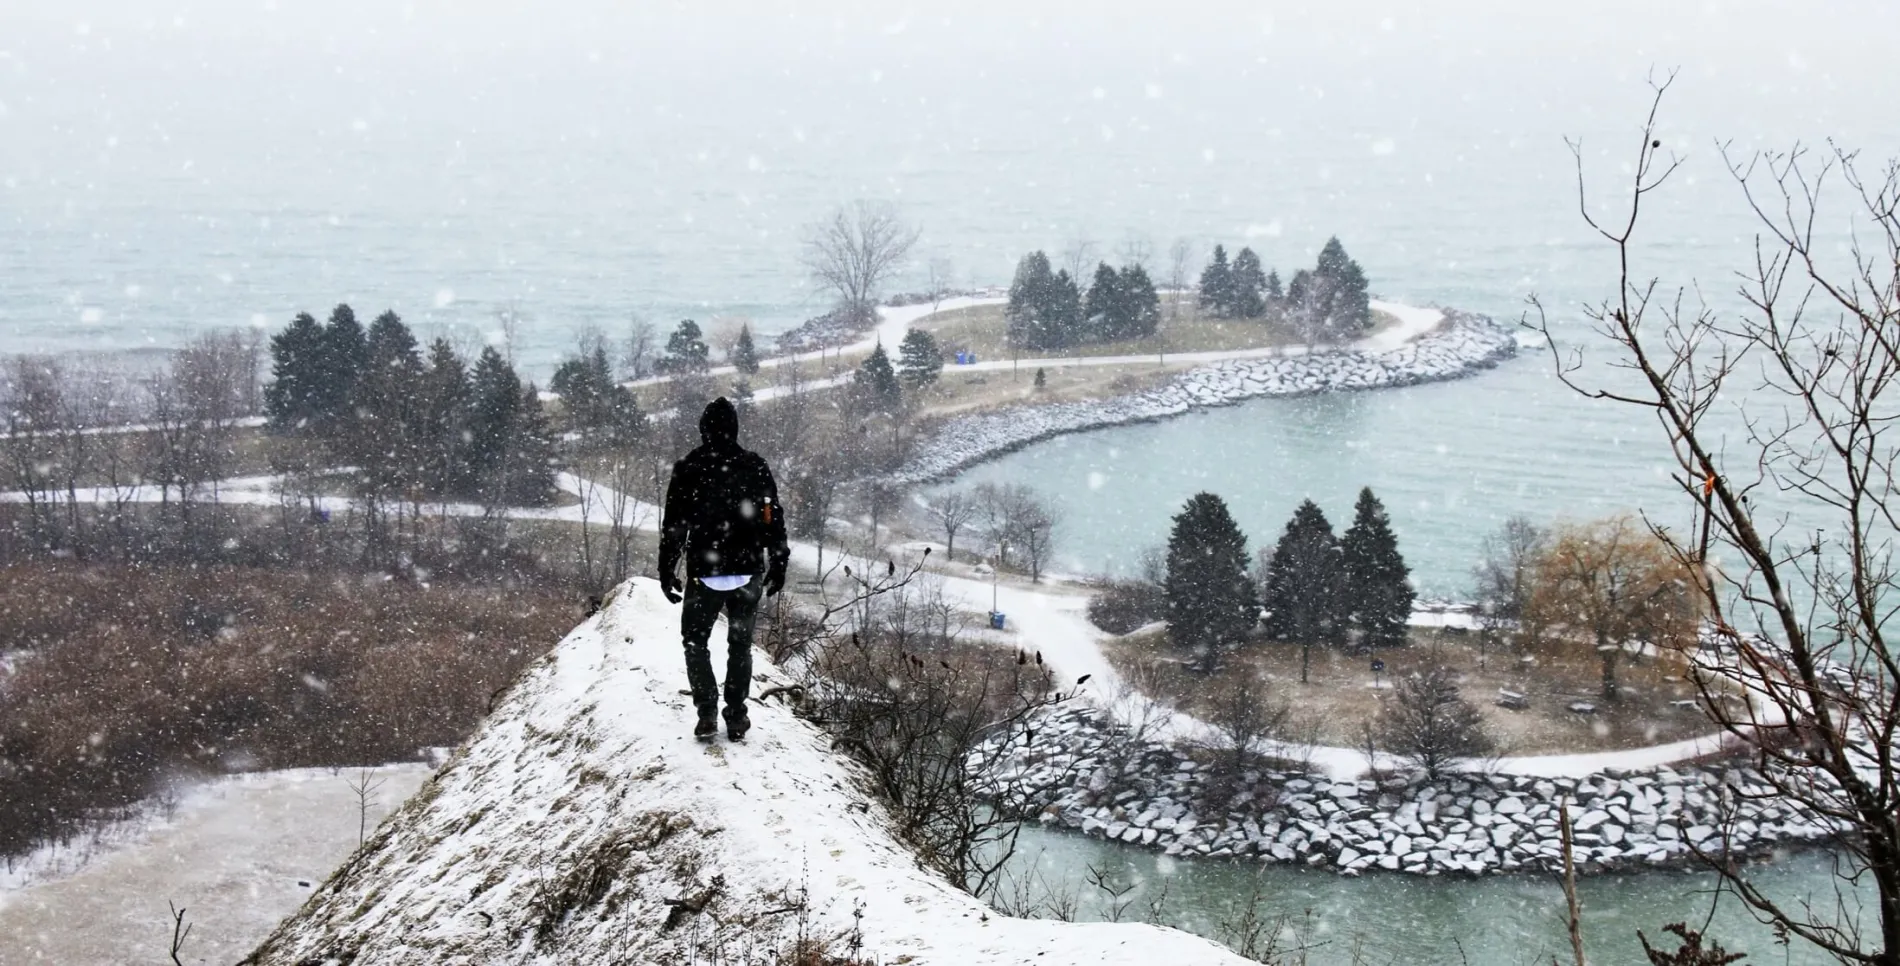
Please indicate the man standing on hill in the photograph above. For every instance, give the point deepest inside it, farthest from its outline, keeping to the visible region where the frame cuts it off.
(722, 510)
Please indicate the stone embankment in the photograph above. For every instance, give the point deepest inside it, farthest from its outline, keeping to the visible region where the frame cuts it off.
(1462, 345)
(1086, 773)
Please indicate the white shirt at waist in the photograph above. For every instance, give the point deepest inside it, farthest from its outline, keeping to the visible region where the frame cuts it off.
(726, 581)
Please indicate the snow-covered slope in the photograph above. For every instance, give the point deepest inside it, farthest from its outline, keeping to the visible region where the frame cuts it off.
(571, 828)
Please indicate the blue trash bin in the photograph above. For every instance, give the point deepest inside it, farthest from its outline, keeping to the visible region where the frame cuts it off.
(996, 620)
(960, 358)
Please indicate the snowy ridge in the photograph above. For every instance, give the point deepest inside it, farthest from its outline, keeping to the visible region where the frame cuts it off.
(560, 831)
(1461, 344)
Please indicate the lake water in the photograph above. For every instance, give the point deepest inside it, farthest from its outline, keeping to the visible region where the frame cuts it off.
(230, 164)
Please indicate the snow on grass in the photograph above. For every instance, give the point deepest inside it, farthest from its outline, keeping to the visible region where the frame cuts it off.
(561, 830)
(238, 854)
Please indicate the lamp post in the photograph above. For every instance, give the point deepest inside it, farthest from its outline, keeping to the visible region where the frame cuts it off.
(996, 569)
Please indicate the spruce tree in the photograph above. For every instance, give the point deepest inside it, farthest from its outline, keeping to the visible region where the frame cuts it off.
(1104, 311)
(343, 354)
(876, 382)
(1304, 585)
(1140, 302)
(1217, 285)
(1248, 285)
(379, 434)
(294, 399)
(1064, 311)
(1274, 295)
(1028, 328)
(495, 401)
(1350, 311)
(1377, 592)
(1212, 604)
(531, 460)
(919, 360)
(745, 356)
(442, 409)
(686, 350)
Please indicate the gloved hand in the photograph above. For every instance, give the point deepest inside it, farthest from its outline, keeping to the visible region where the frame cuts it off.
(775, 578)
(670, 586)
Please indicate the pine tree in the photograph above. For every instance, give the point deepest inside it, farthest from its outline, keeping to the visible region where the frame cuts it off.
(1104, 312)
(1248, 285)
(294, 399)
(1140, 302)
(1217, 285)
(494, 403)
(686, 350)
(1304, 584)
(442, 407)
(1350, 312)
(1042, 379)
(343, 354)
(379, 434)
(745, 356)
(876, 382)
(919, 360)
(1274, 295)
(1064, 311)
(1377, 592)
(1028, 328)
(1212, 604)
(531, 481)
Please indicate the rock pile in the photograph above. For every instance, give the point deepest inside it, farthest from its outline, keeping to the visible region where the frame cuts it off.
(1462, 345)
(1085, 772)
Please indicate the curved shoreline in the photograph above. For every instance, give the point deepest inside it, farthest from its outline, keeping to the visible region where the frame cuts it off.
(1085, 775)
(1462, 345)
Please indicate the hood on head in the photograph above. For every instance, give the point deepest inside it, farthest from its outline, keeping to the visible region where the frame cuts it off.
(719, 424)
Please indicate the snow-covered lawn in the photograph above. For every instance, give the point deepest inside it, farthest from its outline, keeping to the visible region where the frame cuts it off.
(238, 854)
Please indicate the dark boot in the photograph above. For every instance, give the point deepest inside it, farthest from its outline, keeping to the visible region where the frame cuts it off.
(707, 726)
(737, 722)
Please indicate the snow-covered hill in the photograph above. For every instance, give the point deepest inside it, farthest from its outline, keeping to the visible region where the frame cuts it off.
(583, 825)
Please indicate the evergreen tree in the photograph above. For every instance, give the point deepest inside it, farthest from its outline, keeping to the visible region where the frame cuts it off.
(442, 415)
(1377, 592)
(686, 350)
(1349, 313)
(1304, 585)
(494, 404)
(343, 354)
(380, 433)
(1028, 328)
(603, 412)
(1274, 295)
(1140, 302)
(294, 398)
(919, 360)
(1042, 379)
(876, 382)
(531, 480)
(1104, 312)
(1217, 285)
(745, 356)
(1064, 311)
(1248, 285)
(1212, 603)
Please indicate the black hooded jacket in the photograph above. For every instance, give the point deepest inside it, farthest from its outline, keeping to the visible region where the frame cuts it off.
(722, 507)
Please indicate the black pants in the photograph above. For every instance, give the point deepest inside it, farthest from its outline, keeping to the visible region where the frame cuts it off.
(701, 611)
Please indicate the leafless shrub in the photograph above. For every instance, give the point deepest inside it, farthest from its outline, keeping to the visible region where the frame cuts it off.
(1801, 618)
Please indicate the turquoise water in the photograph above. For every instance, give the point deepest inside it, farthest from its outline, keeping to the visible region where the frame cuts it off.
(230, 164)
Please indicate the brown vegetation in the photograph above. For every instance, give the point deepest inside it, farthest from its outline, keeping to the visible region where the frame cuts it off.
(129, 676)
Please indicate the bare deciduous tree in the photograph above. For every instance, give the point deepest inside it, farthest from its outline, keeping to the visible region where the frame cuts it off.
(1180, 262)
(1793, 501)
(1242, 715)
(940, 274)
(1504, 577)
(953, 511)
(855, 250)
(636, 358)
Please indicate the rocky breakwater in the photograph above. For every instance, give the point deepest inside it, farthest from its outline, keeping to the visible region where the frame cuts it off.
(1461, 345)
(1087, 773)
